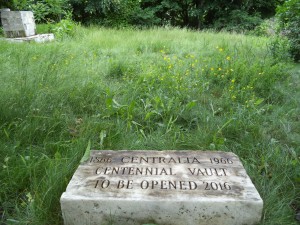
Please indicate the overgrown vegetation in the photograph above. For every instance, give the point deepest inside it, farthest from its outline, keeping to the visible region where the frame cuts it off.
(289, 15)
(236, 16)
(196, 14)
(151, 89)
(44, 10)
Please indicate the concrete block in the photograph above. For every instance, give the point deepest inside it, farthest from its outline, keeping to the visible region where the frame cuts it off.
(18, 23)
(161, 187)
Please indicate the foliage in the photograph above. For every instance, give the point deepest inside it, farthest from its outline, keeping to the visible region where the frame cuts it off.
(215, 13)
(122, 16)
(289, 16)
(144, 18)
(189, 13)
(44, 10)
(238, 21)
(268, 28)
(196, 14)
(6, 4)
(41, 11)
(164, 89)
(280, 48)
(64, 28)
(21, 4)
(106, 12)
(44, 28)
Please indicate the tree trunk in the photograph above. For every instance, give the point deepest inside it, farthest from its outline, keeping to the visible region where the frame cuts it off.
(199, 6)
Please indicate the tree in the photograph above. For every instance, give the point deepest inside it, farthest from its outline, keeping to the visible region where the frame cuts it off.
(196, 14)
(6, 4)
(212, 13)
(108, 12)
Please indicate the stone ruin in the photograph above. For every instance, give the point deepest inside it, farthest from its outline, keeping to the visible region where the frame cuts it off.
(20, 26)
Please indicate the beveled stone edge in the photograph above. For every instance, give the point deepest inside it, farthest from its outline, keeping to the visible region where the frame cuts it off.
(84, 160)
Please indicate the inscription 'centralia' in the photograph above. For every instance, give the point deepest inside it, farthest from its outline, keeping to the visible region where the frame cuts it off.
(161, 166)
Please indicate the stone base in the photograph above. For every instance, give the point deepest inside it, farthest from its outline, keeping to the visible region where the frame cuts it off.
(161, 211)
(163, 188)
(40, 38)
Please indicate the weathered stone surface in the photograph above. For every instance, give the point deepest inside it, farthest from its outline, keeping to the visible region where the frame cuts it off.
(18, 23)
(39, 38)
(161, 187)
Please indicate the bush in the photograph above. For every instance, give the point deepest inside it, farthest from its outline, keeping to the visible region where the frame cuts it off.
(289, 16)
(267, 28)
(64, 28)
(105, 12)
(44, 10)
(238, 20)
(280, 48)
(41, 11)
(144, 17)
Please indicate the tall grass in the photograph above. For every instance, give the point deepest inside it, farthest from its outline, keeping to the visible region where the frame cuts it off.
(151, 89)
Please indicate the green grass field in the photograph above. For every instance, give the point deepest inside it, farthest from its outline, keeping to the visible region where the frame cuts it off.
(152, 89)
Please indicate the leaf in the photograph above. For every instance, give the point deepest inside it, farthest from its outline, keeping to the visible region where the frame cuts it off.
(136, 123)
(102, 136)
(259, 101)
(116, 104)
(86, 155)
(143, 133)
(57, 156)
(191, 105)
(23, 160)
(6, 133)
(109, 103)
(148, 115)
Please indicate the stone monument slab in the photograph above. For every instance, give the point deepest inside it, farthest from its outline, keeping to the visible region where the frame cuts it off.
(161, 187)
(18, 23)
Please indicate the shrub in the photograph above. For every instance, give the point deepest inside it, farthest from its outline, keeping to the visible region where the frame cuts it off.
(268, 28)
(41, 11)
(105, 12)
(289, 16)
(280, 48)
(238, 20)
(144, 17)
(44, 10)
(64, 28)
